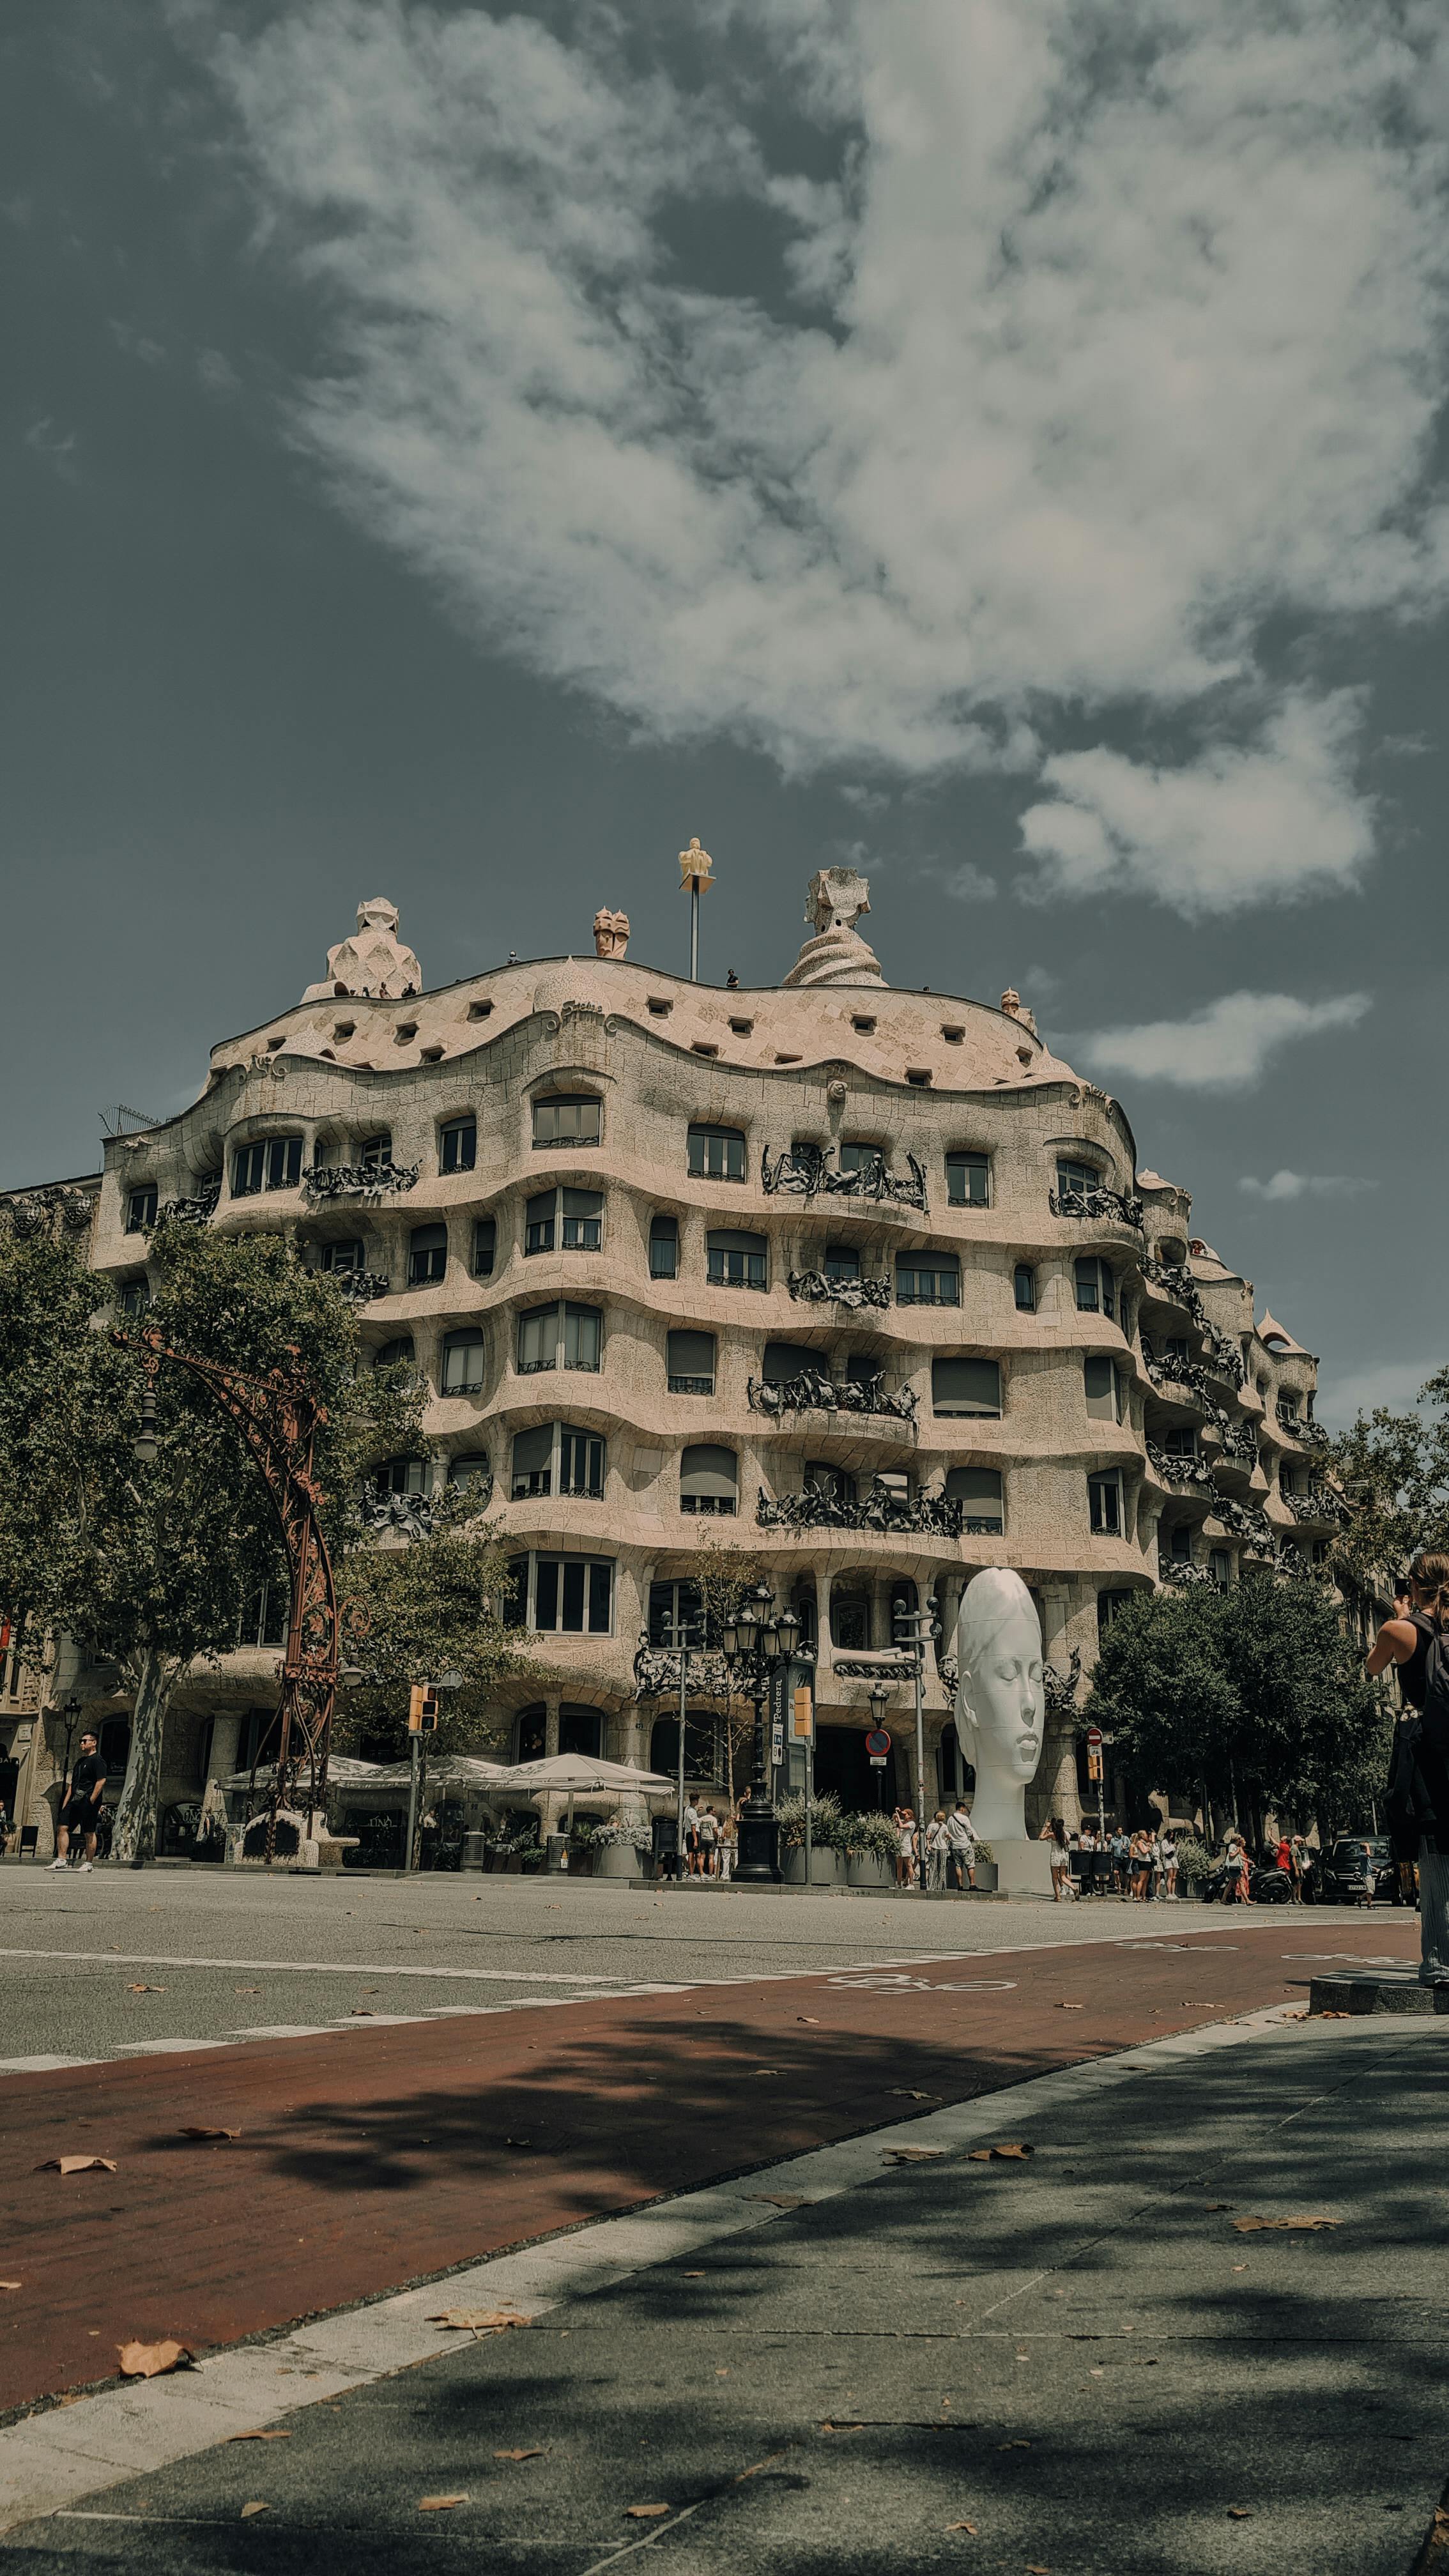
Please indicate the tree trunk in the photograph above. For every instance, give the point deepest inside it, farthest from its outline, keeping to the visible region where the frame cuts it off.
(138, 1810)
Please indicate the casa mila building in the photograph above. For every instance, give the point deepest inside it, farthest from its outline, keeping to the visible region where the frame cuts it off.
(864, 1282)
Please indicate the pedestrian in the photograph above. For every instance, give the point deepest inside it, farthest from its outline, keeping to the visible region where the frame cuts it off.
(726, 1847)
(1121, 1853)
(1418, 1795)
(1235, 1853)
(1367, 1876)
(1283, 1856)
(81, 1808)
(938, 1844)
(691, 1837)
(1299, 1863)
(708, 1842)
(962, 1839)
(428, 1839)
(1059, 1855)
(1167, 1853)
(1087, 1850)
(905, 1824)
(1139, 1862)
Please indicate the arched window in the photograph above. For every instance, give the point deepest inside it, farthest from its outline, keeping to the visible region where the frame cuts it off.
(374, 1154)
(849, 1619)
(555, 1458)
(689, 1360)
(1103, 1383)
(141, 1209)
(469, 1468)
(968, 1179)
(529, 1733)
(567, 1118)
(1105, 1507)
(135, 1295)
(402, 1476)
(701, 1748)
(664, 1248)
(397, 1353)
(979, 1489)
(927, 1279)
(462, 1361)
(559, 1336)
(1023, 1288)
(716, 1153)
(458, 1145)
(842, 1261)
(709, 1479)
(1074, 1176)
(427, 1255)
(784, 1360)
(345, 1254)
(966, 1386)
(736, 1260)
(1096, 1288)
(580, 1731)
(485, 1246)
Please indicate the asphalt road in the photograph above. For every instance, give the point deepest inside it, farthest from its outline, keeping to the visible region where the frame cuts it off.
(222, 1955)
(1079, 2364)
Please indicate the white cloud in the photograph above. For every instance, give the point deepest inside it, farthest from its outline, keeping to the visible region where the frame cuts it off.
(1222, 1047)
(1119, 333)
(1239, 826)
(1300, 1185)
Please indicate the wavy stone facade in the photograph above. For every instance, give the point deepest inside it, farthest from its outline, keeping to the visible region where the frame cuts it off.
(863, 1280)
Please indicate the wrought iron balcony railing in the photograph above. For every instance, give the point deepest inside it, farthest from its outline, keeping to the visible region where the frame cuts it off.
(1170, 1469)
(326, 1181)
(360, 1287)
(811, 1391)
(808, 1172)
(656, 1673)
(405, 1515)
(1184, 1577)
(1222, 1358)
(927, 1515)
(821, 1288)
(1175, 1281)
(196, 1210)
(1097, 1203)
(1239, 1439)
(1320, 1503)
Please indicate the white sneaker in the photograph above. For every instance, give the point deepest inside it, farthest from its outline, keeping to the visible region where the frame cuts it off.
(59, 1864)
(85, 1864)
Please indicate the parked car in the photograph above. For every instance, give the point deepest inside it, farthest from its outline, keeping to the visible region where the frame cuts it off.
(1343, 1873)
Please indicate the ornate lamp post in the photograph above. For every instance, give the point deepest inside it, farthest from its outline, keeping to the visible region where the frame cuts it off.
(880, 1700)
(757, 1642)
(278, 1418)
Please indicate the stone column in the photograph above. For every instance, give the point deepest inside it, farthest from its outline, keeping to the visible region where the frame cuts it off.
(225, 1737)
(1054, 1792)
(550, 1728)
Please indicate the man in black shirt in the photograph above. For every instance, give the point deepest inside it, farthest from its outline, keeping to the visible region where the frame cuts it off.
(82, 1805)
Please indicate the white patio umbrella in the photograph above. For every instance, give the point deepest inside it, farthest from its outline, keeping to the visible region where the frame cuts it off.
(447, 1771)
(573, 1775)
(343, 1770)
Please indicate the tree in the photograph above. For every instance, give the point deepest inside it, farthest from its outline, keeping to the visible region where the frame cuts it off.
(1394, 1470)
(154, 1566)
(1255, 1694)
(723, 1575)
(434, 1605)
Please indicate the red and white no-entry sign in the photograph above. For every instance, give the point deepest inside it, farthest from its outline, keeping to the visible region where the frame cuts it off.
(1094, 1737)
(877, 1745)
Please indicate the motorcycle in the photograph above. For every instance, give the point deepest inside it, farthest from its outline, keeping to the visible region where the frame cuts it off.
(1266, 1885)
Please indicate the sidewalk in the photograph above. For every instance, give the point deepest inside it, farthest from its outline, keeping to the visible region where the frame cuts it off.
(1080, 2354)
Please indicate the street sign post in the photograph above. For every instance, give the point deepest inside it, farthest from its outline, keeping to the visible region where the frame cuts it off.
(877, 1745)
(1094, 1773)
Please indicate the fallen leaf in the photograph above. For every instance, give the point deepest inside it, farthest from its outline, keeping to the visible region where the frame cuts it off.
(263, 2433)
(1015, 2150)
(519, 2455)
(693, 2276)
(1240, 2267)
(153, 2360)
(478, 2320)
(903, 2093)
(12, 2285)
(644, 2512)
(1013, 2446)
(439, 2504)
(1038, 2571)
(1071, 2007)
(778, 2200)
(363, 2012)
(77, 2164)
(842, 2428)
(912, 2155)
(723, 2373)
(962, 2526)
(192, 2132)
(1282, 2226)
(1212, 2206)
(810, 2020)
(246, 1990)
(1240, 2512)
(766, 2070)
(256, 2506)
(145, 1990)
(1333, 2016)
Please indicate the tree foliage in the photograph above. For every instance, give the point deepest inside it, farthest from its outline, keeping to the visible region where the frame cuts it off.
(431, 1606)
(1394, 1470)
(1255, 1694)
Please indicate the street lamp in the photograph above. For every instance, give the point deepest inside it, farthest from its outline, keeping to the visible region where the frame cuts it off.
(914, 1629)
(758, 1641)
(880, 1700)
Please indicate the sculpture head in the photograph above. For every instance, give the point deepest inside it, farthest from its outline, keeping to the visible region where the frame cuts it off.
(1001, 1707)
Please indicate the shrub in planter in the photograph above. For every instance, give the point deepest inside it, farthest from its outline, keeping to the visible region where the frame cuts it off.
(825, 1819)
(871, 1835)
(615, 1837)
(1194, 1860)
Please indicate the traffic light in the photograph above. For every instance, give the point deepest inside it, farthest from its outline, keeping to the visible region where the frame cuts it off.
(422, 1709)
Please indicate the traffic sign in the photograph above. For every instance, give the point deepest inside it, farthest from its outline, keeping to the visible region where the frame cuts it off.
(1094, 1736)
(878, 1743)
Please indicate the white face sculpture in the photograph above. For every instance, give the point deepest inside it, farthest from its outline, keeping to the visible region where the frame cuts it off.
(1000, 1709)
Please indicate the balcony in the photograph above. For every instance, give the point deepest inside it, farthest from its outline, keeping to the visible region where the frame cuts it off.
(1101, 1202)
(326, 1182)
(1222, 1358)
(1247, 1522)
(923, 1515)
(1185, 1376)
(821, 1288)
(813, 1392)
(360, 1287)
(1186, 1578)
(1180, 1473)
(1170, 1279)
(806, 1171)
(1320, 1506)
(656, 1673)
(196, 1210)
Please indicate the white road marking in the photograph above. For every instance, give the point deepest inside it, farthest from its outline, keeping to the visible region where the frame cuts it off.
(325, 1967)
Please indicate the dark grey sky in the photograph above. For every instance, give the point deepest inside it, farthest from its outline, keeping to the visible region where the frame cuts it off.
(457, 455)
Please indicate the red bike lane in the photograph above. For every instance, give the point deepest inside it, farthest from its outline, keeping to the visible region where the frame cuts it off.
(369, 2159)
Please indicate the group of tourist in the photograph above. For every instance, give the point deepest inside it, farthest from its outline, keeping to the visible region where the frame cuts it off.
(1103, 1860)
(946, 1851)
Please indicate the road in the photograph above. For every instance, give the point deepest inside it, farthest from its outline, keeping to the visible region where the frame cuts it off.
(124, 1963)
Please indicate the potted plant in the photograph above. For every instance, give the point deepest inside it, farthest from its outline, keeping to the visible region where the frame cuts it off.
(583, 1852)
(825, 1821)
(619, 1850)
(870, 1851)
(985, 1870)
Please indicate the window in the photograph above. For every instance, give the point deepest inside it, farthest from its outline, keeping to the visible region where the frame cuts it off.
(1104, 1504)
(703, 1046)
(689, 1359)
(571, 1218)
(701, 1748)
(1023, 1288)
(401, 1476)
(396, 1353)
(559, 1336)
(485, 1246)
(1220, 1567)
(462, 1361)
(716, 1154)
(427, 1255)
(822, 1477)
(736, 1260)
(664, 1248)
(1181, 1543)
(265, 1618)
(850, 1620)
(538, 1223)
(709, 1480)
(784, 1360)
(1103, 1382)
(979, 1489)
(1287, 1409)
(581, 1732)
(1077, 1176)
(345, 1254)
(861, 1020)
(966, 1386)
(861, 1158)
(1109, 1604)
(135, 1295)
(375, 1152)
(842, 1261)
(275, 1163)
(860, 1369)
(1288, 1481)
(141, 1211)
(1181, 1443)
(568, 1118)
(968, 1180)
(479, 1010)
(114, 1747)
(569, 1595)
(927, 1279)
(1275, 1341)
(659, 1010)
(1096, 1288)
(458, 1145)
(554, 1458)
(742, 1028)
(470, 1467)
(919, 1075)
(675, 1607)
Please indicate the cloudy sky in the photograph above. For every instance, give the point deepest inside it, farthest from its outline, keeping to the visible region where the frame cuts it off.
(459, 451)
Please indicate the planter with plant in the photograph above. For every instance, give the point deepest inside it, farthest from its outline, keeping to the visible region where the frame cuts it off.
(619, 1849)
(870, 1846)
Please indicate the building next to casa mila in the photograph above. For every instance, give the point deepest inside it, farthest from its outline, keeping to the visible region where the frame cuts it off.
(864, 1282)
